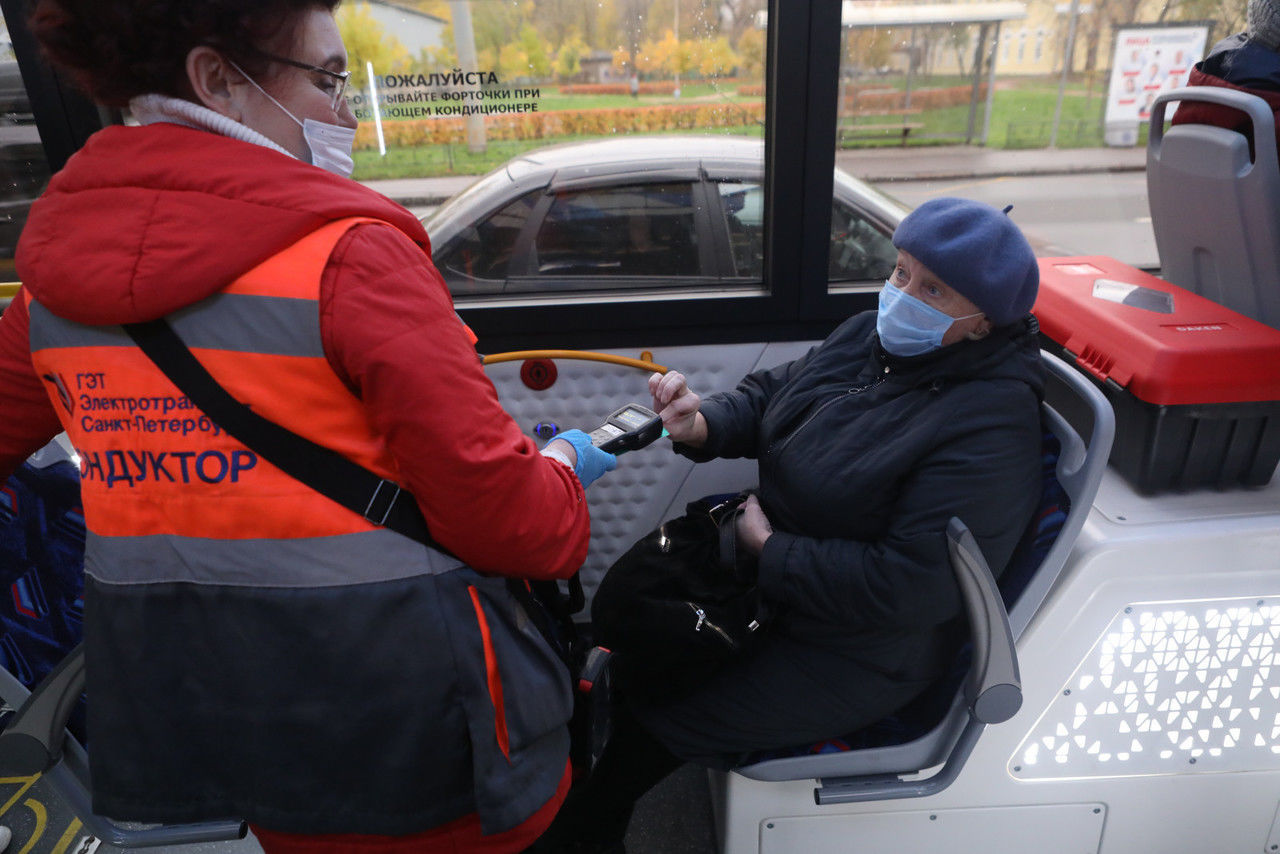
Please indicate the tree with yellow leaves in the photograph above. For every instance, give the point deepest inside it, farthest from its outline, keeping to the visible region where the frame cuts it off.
(366, 41)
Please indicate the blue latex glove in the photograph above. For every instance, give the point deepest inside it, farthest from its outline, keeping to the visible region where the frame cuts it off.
(592, 462)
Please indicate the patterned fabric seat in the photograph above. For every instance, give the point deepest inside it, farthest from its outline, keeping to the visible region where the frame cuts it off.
(42, 537)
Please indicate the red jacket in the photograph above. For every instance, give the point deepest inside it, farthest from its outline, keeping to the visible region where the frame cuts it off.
(1239, 64)
(144, 221)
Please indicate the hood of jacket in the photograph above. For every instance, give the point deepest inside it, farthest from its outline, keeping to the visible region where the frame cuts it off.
(143, 221)
(1243, 63)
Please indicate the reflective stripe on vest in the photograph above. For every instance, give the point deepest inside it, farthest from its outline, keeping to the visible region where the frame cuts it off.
(154, 466)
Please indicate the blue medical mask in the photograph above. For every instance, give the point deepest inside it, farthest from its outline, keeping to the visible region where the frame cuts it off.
(330, 145)
(909, 327)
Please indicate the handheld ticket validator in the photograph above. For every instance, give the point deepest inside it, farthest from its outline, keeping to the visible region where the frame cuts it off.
(628, 429)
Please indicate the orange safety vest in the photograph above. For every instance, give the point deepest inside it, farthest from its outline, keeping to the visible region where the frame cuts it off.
(255, 649)
(152, 463)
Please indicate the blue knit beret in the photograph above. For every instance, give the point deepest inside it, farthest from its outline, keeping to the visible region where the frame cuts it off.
(977, 250)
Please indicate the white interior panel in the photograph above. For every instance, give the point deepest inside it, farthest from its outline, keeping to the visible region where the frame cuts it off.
(1048, 829)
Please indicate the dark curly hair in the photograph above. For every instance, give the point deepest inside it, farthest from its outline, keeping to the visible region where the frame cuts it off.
(116, 49)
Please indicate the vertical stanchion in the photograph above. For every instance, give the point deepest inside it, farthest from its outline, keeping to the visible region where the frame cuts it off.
(1068, 56)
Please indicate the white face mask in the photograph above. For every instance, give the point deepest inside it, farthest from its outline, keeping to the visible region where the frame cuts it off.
(329, 144)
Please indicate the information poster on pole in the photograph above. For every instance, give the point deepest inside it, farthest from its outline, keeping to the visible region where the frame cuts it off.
(1148, 60)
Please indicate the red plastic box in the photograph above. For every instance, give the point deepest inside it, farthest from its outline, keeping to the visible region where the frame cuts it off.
(1195, 386)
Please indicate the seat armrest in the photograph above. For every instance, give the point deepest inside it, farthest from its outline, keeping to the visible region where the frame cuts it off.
(32, 742)
(994, 687)
(35, 742)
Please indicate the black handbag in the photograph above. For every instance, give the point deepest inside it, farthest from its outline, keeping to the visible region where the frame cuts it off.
(677, 605)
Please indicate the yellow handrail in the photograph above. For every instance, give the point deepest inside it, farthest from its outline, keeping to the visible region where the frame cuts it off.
(643, 364)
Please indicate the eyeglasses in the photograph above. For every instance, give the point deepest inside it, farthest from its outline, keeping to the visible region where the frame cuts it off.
(340, 87)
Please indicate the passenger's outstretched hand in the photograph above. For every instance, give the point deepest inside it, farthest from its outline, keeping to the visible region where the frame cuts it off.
(678, 407)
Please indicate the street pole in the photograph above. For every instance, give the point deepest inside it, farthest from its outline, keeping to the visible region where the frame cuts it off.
(1067, 56)
(677, 56)
(991, 84)
(464, 40)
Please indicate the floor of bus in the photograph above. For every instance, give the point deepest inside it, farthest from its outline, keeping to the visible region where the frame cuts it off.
(674, 818)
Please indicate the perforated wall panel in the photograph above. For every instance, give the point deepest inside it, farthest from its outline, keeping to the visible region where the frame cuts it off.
(632, 500)
(1169, 687)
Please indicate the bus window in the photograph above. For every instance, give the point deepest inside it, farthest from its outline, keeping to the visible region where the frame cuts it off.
(915, 77)
(24, 169)
(624, 94)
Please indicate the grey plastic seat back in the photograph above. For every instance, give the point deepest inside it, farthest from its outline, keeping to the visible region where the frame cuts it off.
(1214, 208)
(869, 774)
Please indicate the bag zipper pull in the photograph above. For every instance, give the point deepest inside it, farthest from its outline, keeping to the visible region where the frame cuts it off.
(702, 617)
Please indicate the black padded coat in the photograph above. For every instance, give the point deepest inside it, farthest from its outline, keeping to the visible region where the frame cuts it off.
(864, 457)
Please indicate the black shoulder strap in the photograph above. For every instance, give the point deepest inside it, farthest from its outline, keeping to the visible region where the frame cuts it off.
(327, 472)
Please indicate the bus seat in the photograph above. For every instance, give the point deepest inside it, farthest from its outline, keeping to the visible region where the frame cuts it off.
(42, 538)
(1224, 246)
(35, 741)
(997, 617)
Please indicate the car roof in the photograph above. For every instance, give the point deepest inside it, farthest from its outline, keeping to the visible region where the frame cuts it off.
(636, 150)
(680, 156)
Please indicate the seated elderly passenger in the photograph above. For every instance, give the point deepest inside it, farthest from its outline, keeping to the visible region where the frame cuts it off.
(903, 418)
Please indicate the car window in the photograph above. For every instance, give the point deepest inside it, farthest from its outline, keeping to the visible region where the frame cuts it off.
(24, 170)
(478, 260)
(639, 230)
(859, 250)
(743, 205)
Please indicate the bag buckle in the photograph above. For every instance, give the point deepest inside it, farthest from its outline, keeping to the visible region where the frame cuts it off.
(393, 494)
(723, 509)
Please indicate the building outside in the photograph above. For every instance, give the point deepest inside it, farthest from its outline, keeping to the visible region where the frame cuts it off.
(1031, 45)
(414, 29)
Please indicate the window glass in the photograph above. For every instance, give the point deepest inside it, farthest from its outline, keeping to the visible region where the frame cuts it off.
(478, 260)
(859, 250)
(24, 171)
(1002, 76)
(743, 206)
(450, 90)
(632, 231)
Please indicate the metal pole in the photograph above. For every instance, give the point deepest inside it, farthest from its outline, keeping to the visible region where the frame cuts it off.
(1067, 56)
(677, 57)
(911, 65)
(991, 83)
(977, 82)
(464, 40)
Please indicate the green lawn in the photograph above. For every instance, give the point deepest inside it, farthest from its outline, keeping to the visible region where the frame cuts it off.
(455, 159)
(1021, 117)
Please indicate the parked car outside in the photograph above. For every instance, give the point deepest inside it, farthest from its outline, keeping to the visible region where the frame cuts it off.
(640, 213)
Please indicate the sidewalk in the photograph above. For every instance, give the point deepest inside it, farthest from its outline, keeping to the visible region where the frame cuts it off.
(876, 165)
(873, 165)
